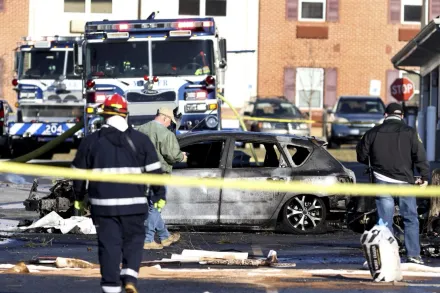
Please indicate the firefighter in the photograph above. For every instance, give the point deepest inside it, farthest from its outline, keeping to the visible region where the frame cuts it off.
(393, 149)
(118, 210)
(168, 151)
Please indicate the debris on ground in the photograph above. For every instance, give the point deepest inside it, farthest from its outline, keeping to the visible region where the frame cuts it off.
(60, 199)
(19, 268)
(54, 222)
(62, 262)
(219, 258)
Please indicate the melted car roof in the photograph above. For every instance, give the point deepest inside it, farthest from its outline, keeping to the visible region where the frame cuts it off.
(228, 133)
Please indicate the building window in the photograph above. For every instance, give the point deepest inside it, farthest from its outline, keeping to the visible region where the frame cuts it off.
(309, 87)
(75, 6)
(312, 10)
(411, 11)
(189, 7)
(101, 6)
(215, 7)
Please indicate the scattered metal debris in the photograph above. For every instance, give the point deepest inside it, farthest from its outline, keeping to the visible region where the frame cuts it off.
(219, 258)
(60, 199)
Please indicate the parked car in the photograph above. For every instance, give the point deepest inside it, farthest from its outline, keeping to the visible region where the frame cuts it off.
(351, 117)
(275, 108)
(284, 158)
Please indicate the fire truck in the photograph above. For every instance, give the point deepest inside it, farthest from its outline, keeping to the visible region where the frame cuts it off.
(178, 63)
(49, 94)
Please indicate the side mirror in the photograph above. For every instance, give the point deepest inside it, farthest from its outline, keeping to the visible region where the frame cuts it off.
(16, 61)
(77, 59)
(223, 53)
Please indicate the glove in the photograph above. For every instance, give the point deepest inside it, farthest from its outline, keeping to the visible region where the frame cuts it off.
(159, 205)
(79, 207)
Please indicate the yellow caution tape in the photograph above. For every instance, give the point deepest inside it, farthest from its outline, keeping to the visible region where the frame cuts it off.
(240, 183)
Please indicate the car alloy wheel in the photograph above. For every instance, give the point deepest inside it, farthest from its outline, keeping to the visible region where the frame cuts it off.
(305, 214)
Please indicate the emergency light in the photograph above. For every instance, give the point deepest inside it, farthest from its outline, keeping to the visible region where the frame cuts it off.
(179, 28)
(46, 41)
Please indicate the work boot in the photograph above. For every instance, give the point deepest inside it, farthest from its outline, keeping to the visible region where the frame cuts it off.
(152, 245)
(415, 259)
(174, 237)
(130, 288)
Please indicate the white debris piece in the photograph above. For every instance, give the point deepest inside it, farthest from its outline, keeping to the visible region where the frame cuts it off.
(36, 269)
(194, 254)
(84, 225)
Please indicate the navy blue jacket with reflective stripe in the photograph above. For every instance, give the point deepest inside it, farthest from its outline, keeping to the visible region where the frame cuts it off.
(110, 150)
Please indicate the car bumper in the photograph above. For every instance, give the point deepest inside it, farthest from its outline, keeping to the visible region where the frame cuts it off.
(344, 133)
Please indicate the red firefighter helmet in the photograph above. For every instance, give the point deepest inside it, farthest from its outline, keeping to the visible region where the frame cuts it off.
(115, 105)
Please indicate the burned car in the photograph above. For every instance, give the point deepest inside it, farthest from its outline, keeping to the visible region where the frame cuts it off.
(221, 155)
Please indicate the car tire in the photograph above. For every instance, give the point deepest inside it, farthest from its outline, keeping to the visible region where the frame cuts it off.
(299, 209)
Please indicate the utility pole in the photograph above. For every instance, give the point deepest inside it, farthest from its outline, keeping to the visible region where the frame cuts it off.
(425, 14)
(139, 9)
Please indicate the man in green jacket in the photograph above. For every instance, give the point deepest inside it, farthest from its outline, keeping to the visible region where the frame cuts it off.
(168, 151)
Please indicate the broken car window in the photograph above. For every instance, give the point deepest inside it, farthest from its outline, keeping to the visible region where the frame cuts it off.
(298, 154)
(267, 155)
(205, 154)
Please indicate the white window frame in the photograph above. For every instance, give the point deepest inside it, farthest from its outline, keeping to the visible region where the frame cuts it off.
(88, 8)
(324, 13)
(299, 86)
(402, 10)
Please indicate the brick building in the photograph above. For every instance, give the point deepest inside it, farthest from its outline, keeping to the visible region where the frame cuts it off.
(313, 51)
(14, 16)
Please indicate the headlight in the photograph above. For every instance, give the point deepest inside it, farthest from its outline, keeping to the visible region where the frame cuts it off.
(266, 125)
(341, 120)
(303, 126)
(211, 122)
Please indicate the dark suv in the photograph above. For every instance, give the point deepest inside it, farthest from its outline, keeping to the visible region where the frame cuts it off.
(351, 117)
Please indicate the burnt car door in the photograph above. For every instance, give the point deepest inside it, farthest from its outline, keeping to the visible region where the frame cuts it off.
(197, 205)
(244, 207)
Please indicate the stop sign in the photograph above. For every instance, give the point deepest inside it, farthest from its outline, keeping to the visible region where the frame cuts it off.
(402, 89)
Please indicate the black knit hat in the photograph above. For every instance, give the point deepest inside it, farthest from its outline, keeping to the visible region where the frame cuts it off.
(394, 109)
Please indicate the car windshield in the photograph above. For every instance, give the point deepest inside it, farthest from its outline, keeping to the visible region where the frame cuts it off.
(360, 106)
(274, 109)
(193, 57)
(116, 60)
(45, 64)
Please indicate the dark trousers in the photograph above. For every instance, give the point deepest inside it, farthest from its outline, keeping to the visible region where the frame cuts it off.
(119, 237)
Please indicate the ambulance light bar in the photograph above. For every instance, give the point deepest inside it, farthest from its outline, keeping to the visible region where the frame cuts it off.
(45, 42)
(51, 38)
(197, 25)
